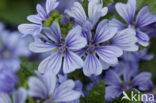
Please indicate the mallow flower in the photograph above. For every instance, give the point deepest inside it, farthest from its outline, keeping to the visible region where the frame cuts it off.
(18, 96)
(116, 85)
(104, 46)
(60, 47)
(95, 12)
(47, 88)
(12, 46)
(38, 19)
(143, 18)
(8, 80)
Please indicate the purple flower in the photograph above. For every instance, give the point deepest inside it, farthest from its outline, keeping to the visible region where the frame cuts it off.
(95, 12)
(38, 19)
(12, 46)
(115, 85)
(8, 80)
(47, 88)
(19, 96)
(144, 18)
(60, 47)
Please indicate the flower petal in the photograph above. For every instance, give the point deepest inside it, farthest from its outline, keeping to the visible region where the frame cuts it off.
(104, 32)
(92, 65)
(126, 40)
(71, 62)
(20, 95)
(112, 92)
(37, 88)
(143, 38)
(74, 40)
(77, 12)
(127, 11)
(96, 11)
(39, 46)
(112, 78)
(144, 17)
(35, 19)
(49, 79)
(4, 98)
(109, 54)
(51, 63)
(117, 24)
(51, 5)
(141, 79)
(53, 32)
(29, 29)
(64, 92)
(41, 12)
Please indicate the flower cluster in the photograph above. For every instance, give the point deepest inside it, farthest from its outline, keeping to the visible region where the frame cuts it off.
(82, 39)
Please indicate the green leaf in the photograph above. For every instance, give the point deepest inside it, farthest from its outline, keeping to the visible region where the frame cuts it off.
(78, 75)
(15, 11)
(96, 95)
(85, 6)
(27, 69)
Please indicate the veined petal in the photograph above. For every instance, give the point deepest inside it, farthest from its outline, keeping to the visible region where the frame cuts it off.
(41, 12)
(4, 98)
(109, 54)
(39, 46)
(112, 78)
(96, 11)
(35, 19)
(37, 88)
(74, 40)
(144, 17)
(143, 38)
(117, 24)
(54, 32)
(141, 78)
(127, 11)
(92, 65)
(29, 29)
(65, 92)
(71, 62)
(113, 92)
(77, 12)
(52, 63)
(20, 95)
(104, 32)
(51, 5)
(126, 40)
(49, 79)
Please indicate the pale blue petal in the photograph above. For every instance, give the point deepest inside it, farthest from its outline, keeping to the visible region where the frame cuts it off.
(35, 19)
(39, 46)
(41, 12)
(52, 63)
(127, 11)
(92, 65)
(51, 5)
(4, 98)
(117, 24)
(74, 40)
(49, 79)
(53, 32)
(71, 62)
(30, 29)
(20, 95)
(126, 40)
(65, 92)
(143, 38)
(109, 54)
(77, 12)
(104, 32)
(144, 17)
(37, 88)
